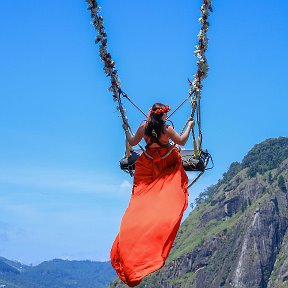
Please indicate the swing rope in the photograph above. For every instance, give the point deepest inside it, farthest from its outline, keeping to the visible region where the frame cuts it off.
(126, 96)
(195, 86)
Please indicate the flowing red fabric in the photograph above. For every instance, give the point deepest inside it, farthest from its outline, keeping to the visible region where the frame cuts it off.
(151, 221)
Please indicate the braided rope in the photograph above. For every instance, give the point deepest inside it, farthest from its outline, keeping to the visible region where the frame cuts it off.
(202, 72)
(110, 65)
(201, 48)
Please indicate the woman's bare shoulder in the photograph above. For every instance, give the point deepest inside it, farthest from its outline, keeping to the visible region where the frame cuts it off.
(168, 128)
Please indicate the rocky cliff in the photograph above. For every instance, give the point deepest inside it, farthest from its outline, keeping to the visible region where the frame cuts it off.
(237, 234)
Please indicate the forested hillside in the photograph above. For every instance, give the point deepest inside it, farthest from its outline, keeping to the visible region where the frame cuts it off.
(236, 236)
(56, 274)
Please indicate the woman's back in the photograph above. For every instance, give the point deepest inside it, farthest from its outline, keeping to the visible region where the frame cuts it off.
(163, 138)
(155, 129)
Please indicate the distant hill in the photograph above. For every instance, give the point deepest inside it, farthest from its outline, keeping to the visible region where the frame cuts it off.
(56, 274)
(237, 234)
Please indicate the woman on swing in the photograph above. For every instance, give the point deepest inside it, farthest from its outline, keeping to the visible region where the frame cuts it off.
(159, 198)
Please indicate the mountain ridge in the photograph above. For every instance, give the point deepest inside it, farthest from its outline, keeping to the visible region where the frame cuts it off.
(236, 236)
(56, 273)
(237, 233)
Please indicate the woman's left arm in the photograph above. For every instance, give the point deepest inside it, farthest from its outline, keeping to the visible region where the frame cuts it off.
(134, 140)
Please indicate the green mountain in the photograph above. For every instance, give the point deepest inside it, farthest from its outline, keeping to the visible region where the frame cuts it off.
(236, 236)
(56, 274)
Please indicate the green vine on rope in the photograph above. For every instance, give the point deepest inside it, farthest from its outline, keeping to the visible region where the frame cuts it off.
(110, 65)
(201, 48)
(202, 71)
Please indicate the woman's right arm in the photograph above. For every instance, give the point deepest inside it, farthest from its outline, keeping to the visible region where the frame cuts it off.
(134, 140)
(180, 139)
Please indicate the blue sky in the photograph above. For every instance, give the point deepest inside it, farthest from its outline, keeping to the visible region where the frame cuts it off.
(62, 194)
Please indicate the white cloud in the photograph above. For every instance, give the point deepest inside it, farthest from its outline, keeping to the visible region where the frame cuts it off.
(125, 186)
(70, 181)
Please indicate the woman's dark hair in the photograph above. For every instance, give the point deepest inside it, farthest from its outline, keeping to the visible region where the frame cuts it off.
(155, 125)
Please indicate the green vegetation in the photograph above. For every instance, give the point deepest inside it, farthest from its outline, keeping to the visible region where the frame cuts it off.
(200, 233)
(193, 233)
(207, 221)
(261, 158)
(245, 204)
(183, 279)
(185, 233)
(281, 184)
(266, 156)
(278, 264)
(56, 274)
(270, 179)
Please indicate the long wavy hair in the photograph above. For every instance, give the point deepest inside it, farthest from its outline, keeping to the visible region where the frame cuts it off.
(155, 125)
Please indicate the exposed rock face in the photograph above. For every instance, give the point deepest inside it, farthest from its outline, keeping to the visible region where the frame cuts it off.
(279, 275)
(238, 239)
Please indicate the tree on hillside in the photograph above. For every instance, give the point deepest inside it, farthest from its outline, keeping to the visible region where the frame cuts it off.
(281, 184)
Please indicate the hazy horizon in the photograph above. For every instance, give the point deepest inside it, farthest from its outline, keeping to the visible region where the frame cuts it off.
(62, 193)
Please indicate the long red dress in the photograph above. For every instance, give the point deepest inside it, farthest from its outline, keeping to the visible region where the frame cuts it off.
(151, 221)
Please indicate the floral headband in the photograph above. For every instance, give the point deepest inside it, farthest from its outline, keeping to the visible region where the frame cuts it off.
(162, 110)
